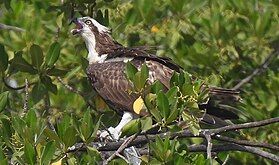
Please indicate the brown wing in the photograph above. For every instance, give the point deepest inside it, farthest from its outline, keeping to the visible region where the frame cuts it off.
(109, 80)
(158, 71)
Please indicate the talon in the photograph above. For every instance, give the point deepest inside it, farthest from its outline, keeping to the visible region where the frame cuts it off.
(111, 134)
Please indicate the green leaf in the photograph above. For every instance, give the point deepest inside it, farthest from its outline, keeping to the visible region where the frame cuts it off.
(53, 54)
(3, 159)
(174, 79)
(59, 20)
(3, 100)
(150, 103)
(139, 84)
(94, 153)
(7, 130)
(157, 86)
(2, 156)
(70, 137)
(18, 125)
(131, 70)
(187, 89)
(163, 104)
(144, 73)
(96, 128)
(29, 153)
(19, 63)
(131, 128)
(86, 127)
(56, 72)
(38, 92)
(173, 115)
(146, 123)
(46, 80)
(52, 135)
(172, 94)
(63, 125)
(36, 56)
(193, 123)
(31, 119)
(3, 59)
(48, 153)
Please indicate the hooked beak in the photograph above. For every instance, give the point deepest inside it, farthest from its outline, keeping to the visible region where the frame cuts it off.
(78, 28)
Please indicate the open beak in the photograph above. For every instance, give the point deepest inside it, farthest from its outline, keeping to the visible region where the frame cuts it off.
(78, 28)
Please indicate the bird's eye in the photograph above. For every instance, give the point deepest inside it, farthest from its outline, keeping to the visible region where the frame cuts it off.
(88, 22)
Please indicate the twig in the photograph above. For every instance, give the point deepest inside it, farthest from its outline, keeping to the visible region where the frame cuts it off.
(207, 136)
(245, 125)
(234, 147)
(25, 104)
(8, 27)
(226, 160)
(121, 148)
(257, 71)
(46, 104)
(246, 142)
(122, 157)
(72, 89)
(57, 34)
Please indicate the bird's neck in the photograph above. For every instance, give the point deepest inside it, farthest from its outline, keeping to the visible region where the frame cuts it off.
(99, 46)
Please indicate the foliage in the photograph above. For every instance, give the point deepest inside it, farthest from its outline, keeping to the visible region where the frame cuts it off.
(218, 41)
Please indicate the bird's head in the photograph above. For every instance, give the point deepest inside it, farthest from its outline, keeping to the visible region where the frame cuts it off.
(86, 26)
(96, 36)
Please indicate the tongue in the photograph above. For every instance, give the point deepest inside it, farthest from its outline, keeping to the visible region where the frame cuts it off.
(75, 31)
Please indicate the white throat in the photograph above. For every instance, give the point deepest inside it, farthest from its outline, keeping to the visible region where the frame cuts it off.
(93, 56)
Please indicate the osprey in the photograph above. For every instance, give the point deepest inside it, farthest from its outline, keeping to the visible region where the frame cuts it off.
(106, 72)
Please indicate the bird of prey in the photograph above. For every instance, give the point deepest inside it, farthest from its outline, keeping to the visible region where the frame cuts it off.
(106, 72)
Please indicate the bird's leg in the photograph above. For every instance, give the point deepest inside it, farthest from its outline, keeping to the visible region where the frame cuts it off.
(131, 153)
(116, 132)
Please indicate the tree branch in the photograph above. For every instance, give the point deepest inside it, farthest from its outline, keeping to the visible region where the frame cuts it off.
(121, 148)
(25, 104)
(230, 145)
(72, 89)
(246, 142)
(245, 125)
(257, 71)
(8, 27)
(234, 147)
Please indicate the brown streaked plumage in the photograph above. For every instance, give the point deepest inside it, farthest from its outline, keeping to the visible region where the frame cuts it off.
(106, 71)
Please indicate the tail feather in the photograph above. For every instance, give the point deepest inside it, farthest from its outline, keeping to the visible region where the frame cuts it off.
(221, 103)
(213, 120)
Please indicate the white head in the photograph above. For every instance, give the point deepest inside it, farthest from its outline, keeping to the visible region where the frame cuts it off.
(96, 36)
(87, 26)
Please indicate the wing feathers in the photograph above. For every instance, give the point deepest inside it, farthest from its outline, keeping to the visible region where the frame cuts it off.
(111, 83)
